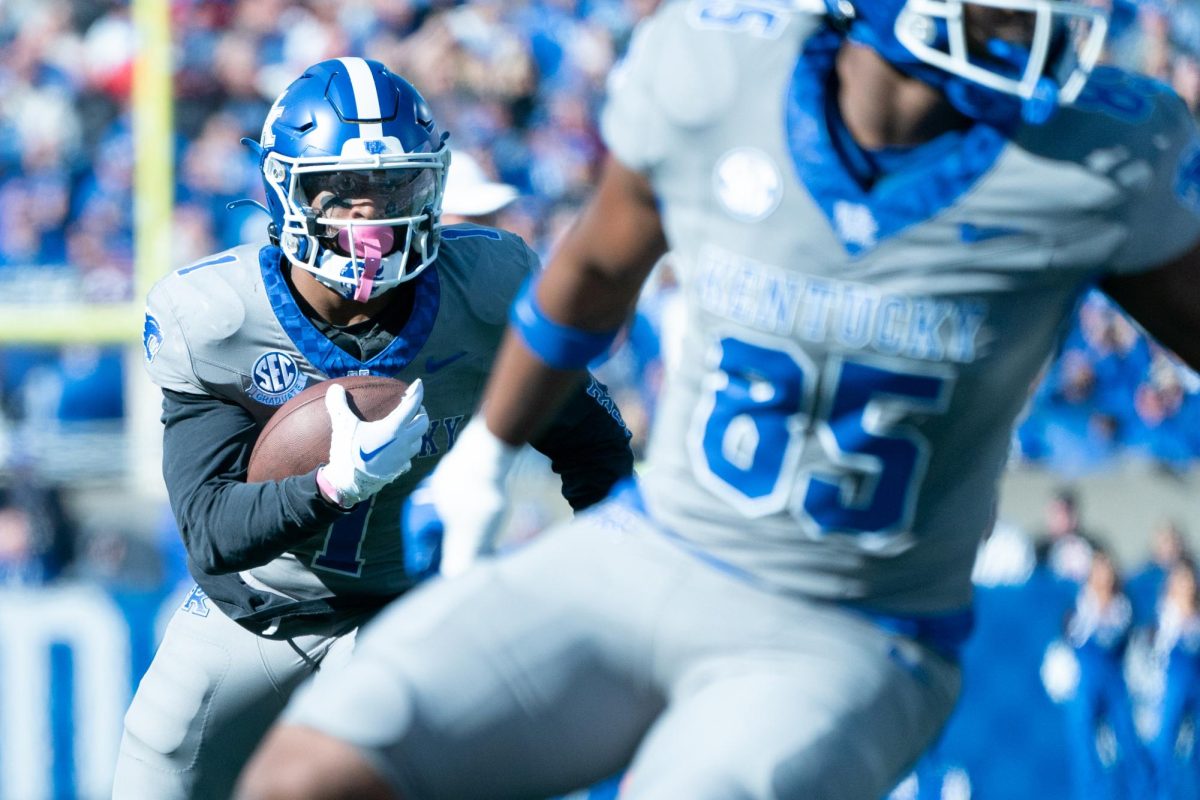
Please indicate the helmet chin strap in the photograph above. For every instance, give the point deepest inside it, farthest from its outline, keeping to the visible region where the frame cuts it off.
(368, 242)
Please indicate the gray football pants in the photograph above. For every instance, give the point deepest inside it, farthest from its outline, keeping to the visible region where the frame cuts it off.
(212, 691)
(604, 643)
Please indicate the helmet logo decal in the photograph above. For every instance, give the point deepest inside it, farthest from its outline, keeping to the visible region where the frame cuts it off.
(362, 148)
(747, 183)
(268, 135)
(275, 379)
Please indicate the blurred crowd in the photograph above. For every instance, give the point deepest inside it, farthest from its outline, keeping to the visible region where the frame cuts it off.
(1111, 392)
(1159, 38)
(518, 85)
(1124, 662)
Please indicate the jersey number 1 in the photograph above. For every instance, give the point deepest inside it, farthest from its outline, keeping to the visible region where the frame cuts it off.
(343, 542)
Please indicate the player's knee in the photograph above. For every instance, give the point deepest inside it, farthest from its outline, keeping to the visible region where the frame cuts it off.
(296, 763)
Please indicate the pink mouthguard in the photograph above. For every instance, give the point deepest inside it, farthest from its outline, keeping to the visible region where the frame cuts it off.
(370, 243)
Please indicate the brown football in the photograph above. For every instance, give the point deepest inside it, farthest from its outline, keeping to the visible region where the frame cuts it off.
(296, 439)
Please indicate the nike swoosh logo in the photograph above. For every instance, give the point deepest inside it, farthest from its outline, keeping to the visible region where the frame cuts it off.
(367, 456)
(979, 233)
(435, 364)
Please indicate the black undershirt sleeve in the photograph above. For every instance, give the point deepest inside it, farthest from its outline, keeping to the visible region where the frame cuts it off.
(229, 525)
(588, 446)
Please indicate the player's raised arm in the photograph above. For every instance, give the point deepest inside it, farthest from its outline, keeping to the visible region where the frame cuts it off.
(575, 308)
(562, 320)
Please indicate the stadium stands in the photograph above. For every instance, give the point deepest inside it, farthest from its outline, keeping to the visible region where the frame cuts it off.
(518, 85)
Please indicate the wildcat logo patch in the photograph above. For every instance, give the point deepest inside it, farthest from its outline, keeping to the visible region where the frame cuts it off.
(152, 338)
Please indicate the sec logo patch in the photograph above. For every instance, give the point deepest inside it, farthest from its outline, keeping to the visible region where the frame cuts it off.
(747, 183)
(275, 379)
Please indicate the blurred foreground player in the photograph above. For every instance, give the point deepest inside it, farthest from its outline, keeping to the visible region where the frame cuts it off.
(359, 278)
(882, 212)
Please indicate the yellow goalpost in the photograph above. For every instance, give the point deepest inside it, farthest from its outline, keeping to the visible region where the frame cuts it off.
(153, 134)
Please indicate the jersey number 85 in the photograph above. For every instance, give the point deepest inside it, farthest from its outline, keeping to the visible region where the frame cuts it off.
(748, 437)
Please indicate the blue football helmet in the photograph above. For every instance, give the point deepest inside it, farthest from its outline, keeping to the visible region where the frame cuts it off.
(350, 130)
(994, 80)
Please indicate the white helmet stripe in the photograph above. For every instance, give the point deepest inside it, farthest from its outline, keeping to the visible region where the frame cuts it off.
(366, 98)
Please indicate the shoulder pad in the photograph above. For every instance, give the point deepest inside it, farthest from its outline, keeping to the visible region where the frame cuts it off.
(1118, 107)
(1140, 135)
(194, 308)
(487, 265)
(209, 294)
(673, 76)
(693, 64)
(1122, 123)
(701, 78)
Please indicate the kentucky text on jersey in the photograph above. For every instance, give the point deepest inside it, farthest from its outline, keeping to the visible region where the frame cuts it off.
(851, 315)
(429, 442)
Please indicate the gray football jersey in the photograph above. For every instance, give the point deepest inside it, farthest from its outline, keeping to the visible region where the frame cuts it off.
(229, 327)
(853, 360)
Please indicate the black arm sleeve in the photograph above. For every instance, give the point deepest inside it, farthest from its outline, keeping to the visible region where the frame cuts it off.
(227, 524)
(588, 445)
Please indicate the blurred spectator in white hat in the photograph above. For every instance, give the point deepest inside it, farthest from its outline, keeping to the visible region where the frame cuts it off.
(471, 195)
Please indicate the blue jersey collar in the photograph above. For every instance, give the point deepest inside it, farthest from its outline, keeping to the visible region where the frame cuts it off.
(331, 360)
(863, 218)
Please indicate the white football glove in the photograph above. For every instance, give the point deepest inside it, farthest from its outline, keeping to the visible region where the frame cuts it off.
(468, 493)
(366, 456)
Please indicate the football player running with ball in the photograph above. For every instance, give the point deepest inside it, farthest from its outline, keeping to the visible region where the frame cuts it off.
(358, 278)
(881, 213)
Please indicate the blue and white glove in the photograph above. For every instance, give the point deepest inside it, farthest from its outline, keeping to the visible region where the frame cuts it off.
(366, 456)
(466, 497)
